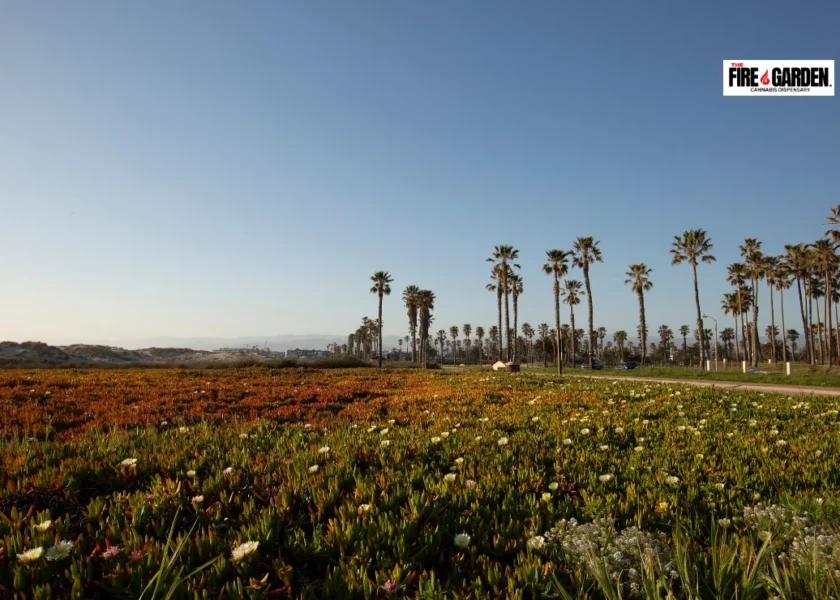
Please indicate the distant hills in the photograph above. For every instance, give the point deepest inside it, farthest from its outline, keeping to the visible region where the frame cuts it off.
(275, 342)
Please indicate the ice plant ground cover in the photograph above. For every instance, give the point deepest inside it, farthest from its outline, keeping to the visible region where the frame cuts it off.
(357, 484)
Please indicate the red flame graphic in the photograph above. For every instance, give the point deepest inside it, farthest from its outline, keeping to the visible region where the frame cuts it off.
(765, 80)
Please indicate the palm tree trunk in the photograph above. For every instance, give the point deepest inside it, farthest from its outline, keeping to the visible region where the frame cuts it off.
(685, 351)
(699, 317)
(557, 322)
(591, 329)
(574, 340)
(515, 325)
(802, 311)
(414, 343)
(737, 348)
(782, 313)
(772, 325)
(828, 332)
(380, 328)
(642, 325)
(756, 348)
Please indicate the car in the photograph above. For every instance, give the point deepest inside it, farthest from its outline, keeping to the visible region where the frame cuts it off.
(597, 365)
(627, 366)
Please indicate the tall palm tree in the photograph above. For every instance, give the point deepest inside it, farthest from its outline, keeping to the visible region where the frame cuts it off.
(381, 287)
(692, 247)
(783, 282)
(495, 341)
(528, 333)
(544, 333)
(479, 334)
(425, 306)
(754, 263)
(441, 340)
(467, 328)
(585, 252)
(410, 300)
(572, 291)
(620, 337)
(824, 261)
(684, 329)
(771, 270)
(516, 289)
(737, 277)
(729, 304)
(638, 276)
(796, 262)
(792, 335)
(453, 331)
(503, 257)
(726, 336)
(496, 285)
(557, 265)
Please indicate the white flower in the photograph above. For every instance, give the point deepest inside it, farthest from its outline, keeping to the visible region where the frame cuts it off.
(478, 438)
(190, 473)
(584, 431)
(197, 499)
(781, 443)
(44, 525)
(60, 551)
(535, 419)
(699, 457)
(392, 421)
(228, 471)
(536, 542)
(605, 478)
(183, 429)
(243, 550)
(363, 508)
(553, 485)
(603, 447)
(444, 434)
(681, 428)
(31, 555)
(384, 431)
(546, 496)
(449, 477)
(645, 422)
(724, 523)
(313, 469)
(462, 540)
(502, 441)
(672, 480)
(459, 460)
(619, 429)
(385, 443)
(720, 486)
(243, 436)
(638, 448)
(435, 440)
(323, 450)
(371, 429)
(128, 462)
(765, 536)
(567, 442)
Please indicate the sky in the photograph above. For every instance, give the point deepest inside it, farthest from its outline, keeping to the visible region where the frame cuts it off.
(211, 168)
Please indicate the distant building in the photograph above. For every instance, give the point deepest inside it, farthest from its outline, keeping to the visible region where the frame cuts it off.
(298, 353)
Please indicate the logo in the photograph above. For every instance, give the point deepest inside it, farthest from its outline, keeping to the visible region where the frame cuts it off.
(778, 78)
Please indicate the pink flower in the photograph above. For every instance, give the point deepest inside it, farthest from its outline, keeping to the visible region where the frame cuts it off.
(111, 552)
(390, 587)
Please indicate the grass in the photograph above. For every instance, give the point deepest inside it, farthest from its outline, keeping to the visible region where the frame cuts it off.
(801, 374)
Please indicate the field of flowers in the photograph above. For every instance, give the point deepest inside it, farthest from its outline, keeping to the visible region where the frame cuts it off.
(254, 483)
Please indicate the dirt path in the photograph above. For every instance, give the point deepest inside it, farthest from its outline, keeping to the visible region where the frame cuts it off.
(774, 388)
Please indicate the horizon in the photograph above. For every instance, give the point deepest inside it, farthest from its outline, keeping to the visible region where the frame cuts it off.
(200, 170)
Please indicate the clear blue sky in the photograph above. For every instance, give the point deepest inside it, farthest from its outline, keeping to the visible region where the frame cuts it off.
(228, 168)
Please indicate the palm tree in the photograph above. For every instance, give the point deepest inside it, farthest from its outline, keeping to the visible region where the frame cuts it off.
(544, 333)
(737, 277)
(620, 337)
(425, 305)
(381, 287)
(453, 331)
(726, 336)
(754, 263)
(729, 305)
(693, 246)
(557, 265)
(494, 340)
(467, 332)
(410, 300)
(496, 285)
(441, 340)
(479, 333)
(503, 257)
(572, 291)
(516, 289)
(586, 252)
(824, 260)
(684, 329)
(771, 269)
(528, 332)
(783, 282)
(639, 277)
(796, 263)
(793, 335)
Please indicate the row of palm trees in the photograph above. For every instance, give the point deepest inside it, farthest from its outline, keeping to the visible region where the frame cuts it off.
(813, 268)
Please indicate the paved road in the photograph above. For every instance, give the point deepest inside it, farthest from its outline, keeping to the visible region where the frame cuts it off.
(775, 388)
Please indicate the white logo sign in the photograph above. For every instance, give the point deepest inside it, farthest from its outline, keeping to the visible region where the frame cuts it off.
(778, 78)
